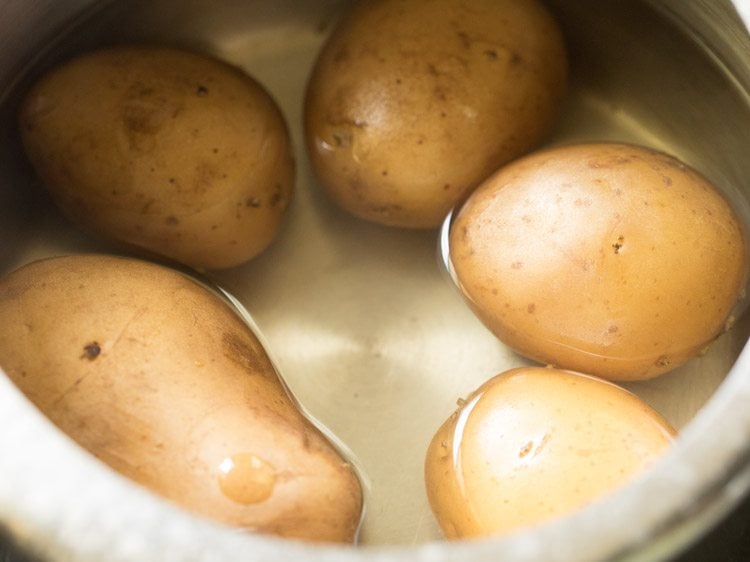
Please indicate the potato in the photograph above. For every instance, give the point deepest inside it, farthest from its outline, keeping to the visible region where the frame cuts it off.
(606, 258)
(160, 149)
(157, 377)
(412, 103)
(536, 443)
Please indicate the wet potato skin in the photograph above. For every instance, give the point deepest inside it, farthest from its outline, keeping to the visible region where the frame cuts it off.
(609, 259)
(176, 153)
(412, 103)
(536, 443)
(160, 379)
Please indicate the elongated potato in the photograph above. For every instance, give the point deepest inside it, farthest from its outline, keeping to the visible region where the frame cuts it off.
(161, 380)
(164, 150)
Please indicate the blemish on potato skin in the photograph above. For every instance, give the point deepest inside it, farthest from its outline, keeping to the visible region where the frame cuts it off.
(617, 246)
(341, 139)
(385, 209)
(277, 197)
(515, 59)
(663, 361)
(147, 206)
(463, 37)
(172, 221)
(249, 356)
(341, 55)
(91, 351)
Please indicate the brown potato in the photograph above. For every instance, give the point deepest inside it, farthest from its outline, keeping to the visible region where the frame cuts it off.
(536, 443)
(412, 103)
(165, 150)
(609, 259)
(161, 380)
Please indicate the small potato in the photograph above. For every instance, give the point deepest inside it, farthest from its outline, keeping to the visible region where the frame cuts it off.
(609, 259)
(157, 377)
(164, 150)
(413, 102)
(536, 443)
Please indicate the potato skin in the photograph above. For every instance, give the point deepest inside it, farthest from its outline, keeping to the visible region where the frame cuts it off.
(158, 378)
(161, 149)
(535, 443)
(413, 102)
(609, 259)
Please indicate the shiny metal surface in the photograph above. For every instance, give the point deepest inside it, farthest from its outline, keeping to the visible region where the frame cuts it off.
(363, 322)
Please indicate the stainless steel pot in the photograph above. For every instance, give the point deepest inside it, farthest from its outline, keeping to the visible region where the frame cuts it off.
(375, 342)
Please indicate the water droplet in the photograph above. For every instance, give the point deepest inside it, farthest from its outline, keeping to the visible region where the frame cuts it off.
(246, 478)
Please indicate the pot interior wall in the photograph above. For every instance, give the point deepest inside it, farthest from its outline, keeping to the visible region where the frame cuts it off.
(364, 325)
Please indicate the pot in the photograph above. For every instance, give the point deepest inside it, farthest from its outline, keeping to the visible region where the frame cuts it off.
(376, 343)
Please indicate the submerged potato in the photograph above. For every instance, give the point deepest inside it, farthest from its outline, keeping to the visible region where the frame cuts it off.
(161, 380)
(175, 153)
(609, 259)
(536, 443)
(413, 102)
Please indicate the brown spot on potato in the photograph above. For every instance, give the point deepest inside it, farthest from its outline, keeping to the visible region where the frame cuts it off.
(663, 361)
(531, 308)
(617, 246)
(171, 220)
(385, 208)
(490, 54)
(252, 202)
(201, 90)
(463, 37)
(143, 119)
(277, 196)
(249, 356)
(205, 175)
(341, 55)
(341, 139)
(91, 351)
(147, 206)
